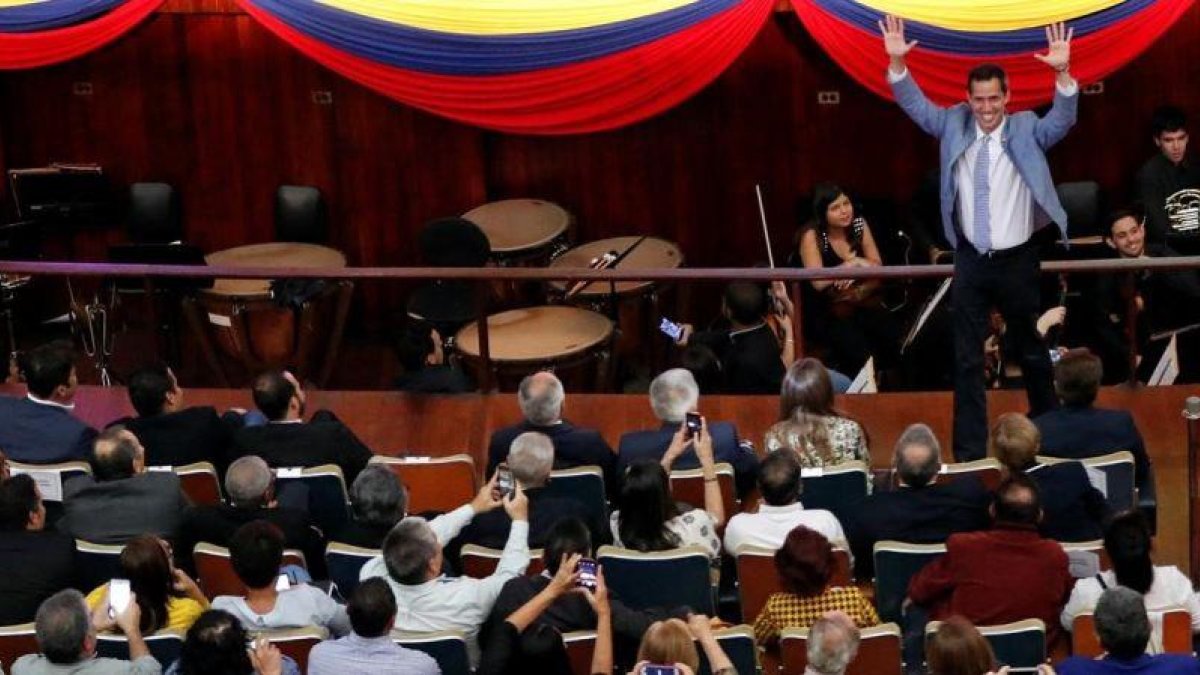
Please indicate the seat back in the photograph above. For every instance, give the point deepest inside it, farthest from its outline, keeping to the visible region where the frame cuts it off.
(165, 646)
(434, 483)
(1020, 645)
(687, 486)
(895, 564)
(153, 216)
(97, 563)
(838, 488)
(584, 484)
(1118, 470)
(479, 562)
(987, 470)
(215, 573)
(738, 644)
(879, 651)
(758, 579)
(200, 483)
(344, 563)
(17, 641)
(580, 645)
(1175, 625)
(447, 647)
(300, 215)
(328, 502)
(50, 478)
(1082, 203)
(659, 579)
(295, 643)
(1081, 567)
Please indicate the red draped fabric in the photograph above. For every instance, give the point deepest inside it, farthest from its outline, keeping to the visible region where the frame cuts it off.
(43, 48)
(943, 76)
(596, 95)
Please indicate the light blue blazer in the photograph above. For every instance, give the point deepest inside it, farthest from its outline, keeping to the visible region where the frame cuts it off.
(1026, 138)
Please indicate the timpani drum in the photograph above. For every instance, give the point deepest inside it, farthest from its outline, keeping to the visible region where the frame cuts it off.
(570, 341)
(522, 233)
(274, 254)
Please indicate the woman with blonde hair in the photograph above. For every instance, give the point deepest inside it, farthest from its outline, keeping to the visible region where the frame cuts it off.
(673, 643)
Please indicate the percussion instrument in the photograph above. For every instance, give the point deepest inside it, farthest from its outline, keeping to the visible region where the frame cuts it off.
(274, 254)
(572, 342)
(522, 233)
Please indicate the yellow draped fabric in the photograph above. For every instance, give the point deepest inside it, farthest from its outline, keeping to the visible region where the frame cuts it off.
(18, 3)
(983, 16)
(502, 17)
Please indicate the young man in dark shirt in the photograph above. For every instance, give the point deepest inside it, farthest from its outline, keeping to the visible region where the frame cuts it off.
(426, 370)
(1168, 184)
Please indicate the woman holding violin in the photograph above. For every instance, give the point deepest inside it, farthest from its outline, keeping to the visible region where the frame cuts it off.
(847, 315)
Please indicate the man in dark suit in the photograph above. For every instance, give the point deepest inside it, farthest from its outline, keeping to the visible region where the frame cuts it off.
(172, 434)
(921, 509)
(1079, 430)
(39, 429)
(425, 368)
(37, 562)
(121, 500)
(287, 441)
(541, 399)
(673, 394)
(250, 486)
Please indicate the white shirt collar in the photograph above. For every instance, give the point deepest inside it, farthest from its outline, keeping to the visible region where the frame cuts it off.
(53, 404)
(286, 422)
(786, 508)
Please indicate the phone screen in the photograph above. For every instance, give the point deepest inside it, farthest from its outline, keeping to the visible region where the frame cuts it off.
(282, 583)
(504, 480)
(659, 669)
(693, 423)
(587, 573)
(118, 596)
(670, 328)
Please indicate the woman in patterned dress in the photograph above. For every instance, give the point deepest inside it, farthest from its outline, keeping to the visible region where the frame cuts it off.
(809, 425)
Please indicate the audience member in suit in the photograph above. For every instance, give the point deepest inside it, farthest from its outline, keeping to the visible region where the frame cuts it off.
(39, 429)
(781, 487)
(541, 399)
(377, 502)
(172, 434)
(1074, 509)
(673, 394)
(921, 509)
(121, 499)
(1124, 631)
(426, 370)
(1004, 574)
(570, 612)
(1079, 430)
(37, 562)
(250, 489)
(285, 440)
(530, 459)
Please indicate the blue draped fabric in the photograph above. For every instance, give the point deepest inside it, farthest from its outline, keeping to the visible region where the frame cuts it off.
(51, 14)
(940, 39)
(460, 54)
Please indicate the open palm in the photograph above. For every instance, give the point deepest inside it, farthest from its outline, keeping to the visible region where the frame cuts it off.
(892, 28)
(1058, 51)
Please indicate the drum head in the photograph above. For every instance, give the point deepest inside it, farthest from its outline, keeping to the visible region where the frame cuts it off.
(537, 334)
(515, 225)
(651, 253)
(275, 254)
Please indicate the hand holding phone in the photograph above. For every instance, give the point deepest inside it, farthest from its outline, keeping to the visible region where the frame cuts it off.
(586, 567)
(505, 481)
(118, 597)
(671, 329)
(282, 583)
(659, 669)
(693, 423)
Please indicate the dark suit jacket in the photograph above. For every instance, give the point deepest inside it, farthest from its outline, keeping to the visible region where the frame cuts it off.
(491, 529)
(36, 565)
(42, 434)
(435, 380)
(216, 525)
(184, 437)
(115, 511)
(925, 515)
(572, 447)
(1072, 510)
(749, 359)
(324, 440)
(364, 535)
(653, 444)
(1079, 432)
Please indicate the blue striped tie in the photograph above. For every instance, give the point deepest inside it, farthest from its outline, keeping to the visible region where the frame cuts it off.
(983, 192)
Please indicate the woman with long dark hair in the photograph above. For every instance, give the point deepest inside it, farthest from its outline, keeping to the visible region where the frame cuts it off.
(217, 643)
(810, 425)
(167, 596)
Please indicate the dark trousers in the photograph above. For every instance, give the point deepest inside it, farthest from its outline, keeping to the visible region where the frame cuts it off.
(1007, 280)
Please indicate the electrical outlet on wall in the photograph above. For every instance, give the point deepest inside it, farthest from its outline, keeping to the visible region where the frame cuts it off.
(320, 97)
(1093, 88)
(829, 97)
(81, 88)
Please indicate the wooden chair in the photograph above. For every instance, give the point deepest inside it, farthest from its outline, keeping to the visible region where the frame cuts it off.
(580, 645)
(584, 484)
(447, 647)
(659, 579)
(738, 644)
(200, 483)
(165, 646)
(758, 578)
(838, 488)
(214, 569)
(895, 564)
(987, 470)
(328, 501)
(295, 642)
(1176, 627)
(687, 486)
(879, 651)
(1021, 645)
(97, 563)
(1095, 548)
(344, 563)
(434, 483)
(17, 641)
(479, 562)
(1118, 469)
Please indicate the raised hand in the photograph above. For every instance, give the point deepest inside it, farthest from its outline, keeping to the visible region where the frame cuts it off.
(892, 28)
(1058, 50)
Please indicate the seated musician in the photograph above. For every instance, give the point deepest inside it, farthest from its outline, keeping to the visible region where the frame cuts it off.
(426, 368)
(848, 315)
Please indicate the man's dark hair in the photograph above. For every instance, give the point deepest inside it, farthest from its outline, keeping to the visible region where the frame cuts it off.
(988, 71)
(256, 551)
(48, 366)
(272, 394)
(414, 345)
(746, 301)
(148, 389)
(1077, 377)
(62, 626)
(113, 454)
(779, 479)
(371, 608)
(18, 499)
(1017, 501)
(216, 643)
(1167, 118)
(567, 537)
(1136, 211)
(1121, 623)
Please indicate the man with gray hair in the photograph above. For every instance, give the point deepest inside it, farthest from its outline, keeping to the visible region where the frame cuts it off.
(377, 501)
(66, 635)
(1124, 631)
(412, 559)
(920, 508)
(541, 397)
(674, 394)
(832, 644)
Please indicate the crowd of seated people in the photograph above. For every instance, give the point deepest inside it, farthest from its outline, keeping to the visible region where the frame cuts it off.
(1003, 560)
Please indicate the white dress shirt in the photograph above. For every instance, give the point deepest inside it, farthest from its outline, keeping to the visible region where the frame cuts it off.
(1010, 203)
(1169, 590)
(770, 526)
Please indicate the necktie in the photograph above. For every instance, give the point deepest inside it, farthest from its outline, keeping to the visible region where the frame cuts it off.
(983, 225)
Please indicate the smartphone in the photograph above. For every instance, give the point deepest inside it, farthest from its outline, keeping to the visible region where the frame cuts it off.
(587, 573)
(118, 596)
(283, 583)
(671, 329)
(692, 420)
(659, 669)
(1055, 355)
(504, 481)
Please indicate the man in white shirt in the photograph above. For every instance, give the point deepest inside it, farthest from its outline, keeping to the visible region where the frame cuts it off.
(412, 565)
(996, 191)
(780, 484)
